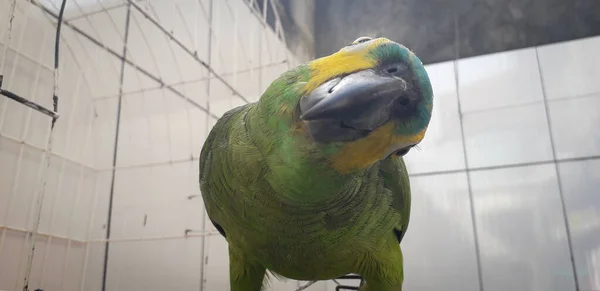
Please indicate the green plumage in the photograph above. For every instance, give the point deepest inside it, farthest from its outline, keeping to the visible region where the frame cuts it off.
(268, 189)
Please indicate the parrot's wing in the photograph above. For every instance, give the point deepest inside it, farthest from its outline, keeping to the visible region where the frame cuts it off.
(213, 157)
(395, 177)
(218, 134)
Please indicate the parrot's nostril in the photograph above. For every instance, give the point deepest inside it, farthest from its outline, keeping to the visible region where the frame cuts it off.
(362, 39)
(334, 84)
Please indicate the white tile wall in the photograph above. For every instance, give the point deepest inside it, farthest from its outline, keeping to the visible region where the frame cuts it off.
(100, 69)
(99, 210)
(106, 27)
(321, 286)
(216, 274)
(571, 68)
(438, 247)
(12, 254)
(574, 124)
(33, 37)
(68, 200)
(15, 119)
(195, 90)
(499, 80)
(247, 84)
(19, 193)
(161, 195)
(79, 8)
(505, 123)
(58, 265)
(507, 136)
(157, 126)
(104, 125)
(146, 128)
(580, 181)
(275, 284)
(93, 268)
(226, 56)
(534, 254)
(4, 14)
(161, 57)
(155, 265)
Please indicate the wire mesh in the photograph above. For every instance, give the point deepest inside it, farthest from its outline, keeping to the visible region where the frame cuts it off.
(171, 92)
(158, 85)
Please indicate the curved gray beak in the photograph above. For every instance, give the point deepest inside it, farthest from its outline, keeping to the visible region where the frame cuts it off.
(362, 100)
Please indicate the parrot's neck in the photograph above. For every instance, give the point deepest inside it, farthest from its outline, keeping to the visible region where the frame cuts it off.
(297, 169)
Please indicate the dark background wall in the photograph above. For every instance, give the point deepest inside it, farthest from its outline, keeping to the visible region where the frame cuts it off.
(439, 30)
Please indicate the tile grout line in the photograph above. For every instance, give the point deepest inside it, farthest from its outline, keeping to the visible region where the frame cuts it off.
(465, 158)
(557, 172)
(507, 166)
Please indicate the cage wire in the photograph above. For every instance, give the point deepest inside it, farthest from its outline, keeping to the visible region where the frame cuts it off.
(100, 139)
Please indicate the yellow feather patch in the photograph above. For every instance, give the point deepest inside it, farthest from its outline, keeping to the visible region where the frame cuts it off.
(347, 60)
(364, 152)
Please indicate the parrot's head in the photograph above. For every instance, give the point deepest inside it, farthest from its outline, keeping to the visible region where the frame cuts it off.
(369, 100)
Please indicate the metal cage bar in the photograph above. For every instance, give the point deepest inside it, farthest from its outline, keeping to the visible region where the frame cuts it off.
(185, 48)
(129, 62)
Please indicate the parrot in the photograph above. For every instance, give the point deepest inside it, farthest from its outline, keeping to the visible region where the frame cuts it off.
(309, 182)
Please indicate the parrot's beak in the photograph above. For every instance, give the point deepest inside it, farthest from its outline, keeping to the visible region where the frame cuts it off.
(349, 107)
(347, 97)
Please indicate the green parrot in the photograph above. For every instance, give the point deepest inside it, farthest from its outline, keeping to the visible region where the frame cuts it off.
(309, 182)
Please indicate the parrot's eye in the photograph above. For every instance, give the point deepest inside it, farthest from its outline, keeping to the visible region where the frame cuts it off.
(361, 40)
(403, 151)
